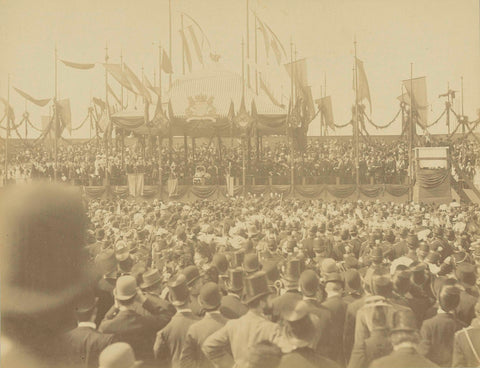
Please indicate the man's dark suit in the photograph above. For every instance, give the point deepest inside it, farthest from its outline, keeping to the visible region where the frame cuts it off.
(171, 339)
(192, 355)
(338, 308)
(85, 345)
(349, 326)
(324, 325)
(284, 303)
(463, 355)
(437, 335)
(376, 346)
(402, 358)
(134, 329)
(104, 293)
(232, 307)
(466, 308)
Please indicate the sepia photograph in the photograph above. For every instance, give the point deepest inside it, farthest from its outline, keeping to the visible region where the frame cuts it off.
(239, 183)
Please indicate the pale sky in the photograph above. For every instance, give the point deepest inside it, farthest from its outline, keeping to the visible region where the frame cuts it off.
(440, 38)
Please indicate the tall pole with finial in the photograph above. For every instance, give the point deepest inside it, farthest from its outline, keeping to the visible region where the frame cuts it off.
(248, 42)
(410, 137)
(356, 126)
(55, 116)
(289, 124)
(244, 167)
(8, 130)
(256, 58)
(107, 112)
(121, 86)
(463, 117)
(160, 139)
(170, 39)
(183, 45)
(324, 123)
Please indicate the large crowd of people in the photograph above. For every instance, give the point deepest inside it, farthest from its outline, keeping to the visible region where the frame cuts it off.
(329, 161)
(246, 282)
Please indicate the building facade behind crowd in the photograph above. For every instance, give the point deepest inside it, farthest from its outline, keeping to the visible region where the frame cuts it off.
(246, 282)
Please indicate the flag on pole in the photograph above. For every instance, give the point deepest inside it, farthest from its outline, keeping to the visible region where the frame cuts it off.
(196, 45)
(299, 68)
(38, 102)
(115, 70)
(166, 63)
(269, 93)
(362, 89)
(149, 85)
(266, 36)
(417, 88)
(78, 65)
(277, 46)
(64, 116)
(47, 125)
(8, 110)
(188, 56)
(325, 106)
(136, 83)
(110, 90)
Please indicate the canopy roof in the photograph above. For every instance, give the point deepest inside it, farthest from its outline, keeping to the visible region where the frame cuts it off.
(208, 103)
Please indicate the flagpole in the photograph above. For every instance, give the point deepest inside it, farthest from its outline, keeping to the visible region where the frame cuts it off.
(256, 59)
(8, 129)
(324, 95)
(463, 120)
(107, 112)
(170, 39)
(55, 111)
(244, 169)
(160, 70)
(183, 46)
(410, 137)
(292, 107)
(357, 151)
(160, 139)
(121, 86)
(248, 45)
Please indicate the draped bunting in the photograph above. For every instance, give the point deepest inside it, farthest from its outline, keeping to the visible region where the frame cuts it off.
(149, 191)
(120, 191)
(371, 191)
(94, 192)
(308, 191)
(431, 178)
(36, 101)
(341, 191)
(396, 190)
(281, 189)
(81, 66)
(203, 191)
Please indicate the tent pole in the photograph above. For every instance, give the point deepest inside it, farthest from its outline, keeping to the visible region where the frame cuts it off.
(410, 137)
(8, 129)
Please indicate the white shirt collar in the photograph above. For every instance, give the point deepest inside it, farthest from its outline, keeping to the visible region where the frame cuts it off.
(184, 310)
(234, 295)
(405, 345)
(87, 324)
(441, 311)
(212, 313)
(332, 294)
(309, 298)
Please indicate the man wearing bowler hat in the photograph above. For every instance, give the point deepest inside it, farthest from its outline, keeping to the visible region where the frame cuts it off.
(126, 323)
(231, 305)
(238, 335)
(151, 286)
(404, 338)
(466, 352)
(210, 299)
(84, 342)
(194, 282)
(43, 271)
(106, 265)
(118, 355)
(170, 340)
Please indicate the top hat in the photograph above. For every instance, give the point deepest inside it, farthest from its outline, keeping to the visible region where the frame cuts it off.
(292, 270)
(125, 288)
(235, 280)
(404, 321)
(256, 286)
(412, 240)
(238, 258)
(209, 297)
(220, 261)
(377, 255)
(250, 263)
(150, 278)
(106, 263)
(309, 283)
(381, 284)
(191, 274)
(118, 355)
(318, 245)
(178, 290)
(353, 281)
(42, 235)
(353, 230)
(272, 271)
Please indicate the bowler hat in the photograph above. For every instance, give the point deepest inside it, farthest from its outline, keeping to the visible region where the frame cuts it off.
(178, 290)
(449, 297)
(106, 263)
(220, 261)
(299, 330)
(125, 288)
(250, 263)
(191, 274)
(309, 283)
(150, 278)
(334, 277)
(256, 286)
(209, 297)
(353, 281)
(118, 355)
(42, 236)
(404, 321)
(235, 280)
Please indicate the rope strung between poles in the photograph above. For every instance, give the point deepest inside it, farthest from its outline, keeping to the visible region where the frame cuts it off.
(386, 125)
(344, 125)
(82, 123)
(436, 121)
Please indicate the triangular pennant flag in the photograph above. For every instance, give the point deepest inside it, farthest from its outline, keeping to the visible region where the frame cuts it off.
(38, 102)
(325, 106)
(266, 36)
(110, 90)
(166, 63)
(417, 88)
(135, 81)
(78, 65)
(188, 56)
(276, 51)
(64, 115)
(362, 89)
(269, 93)
(196, 45)
(115, 70)
(8, 110)
(47, 127)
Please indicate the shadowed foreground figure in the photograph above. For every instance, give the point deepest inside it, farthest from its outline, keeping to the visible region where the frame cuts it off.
(43, 271)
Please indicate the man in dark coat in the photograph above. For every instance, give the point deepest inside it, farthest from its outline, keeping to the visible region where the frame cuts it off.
(209, 299)
(466, 342)
(129, 326)
(84, 342)
(107, 265)
(404, 337)
(437, 333)
(231, 305)
(287, 301)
